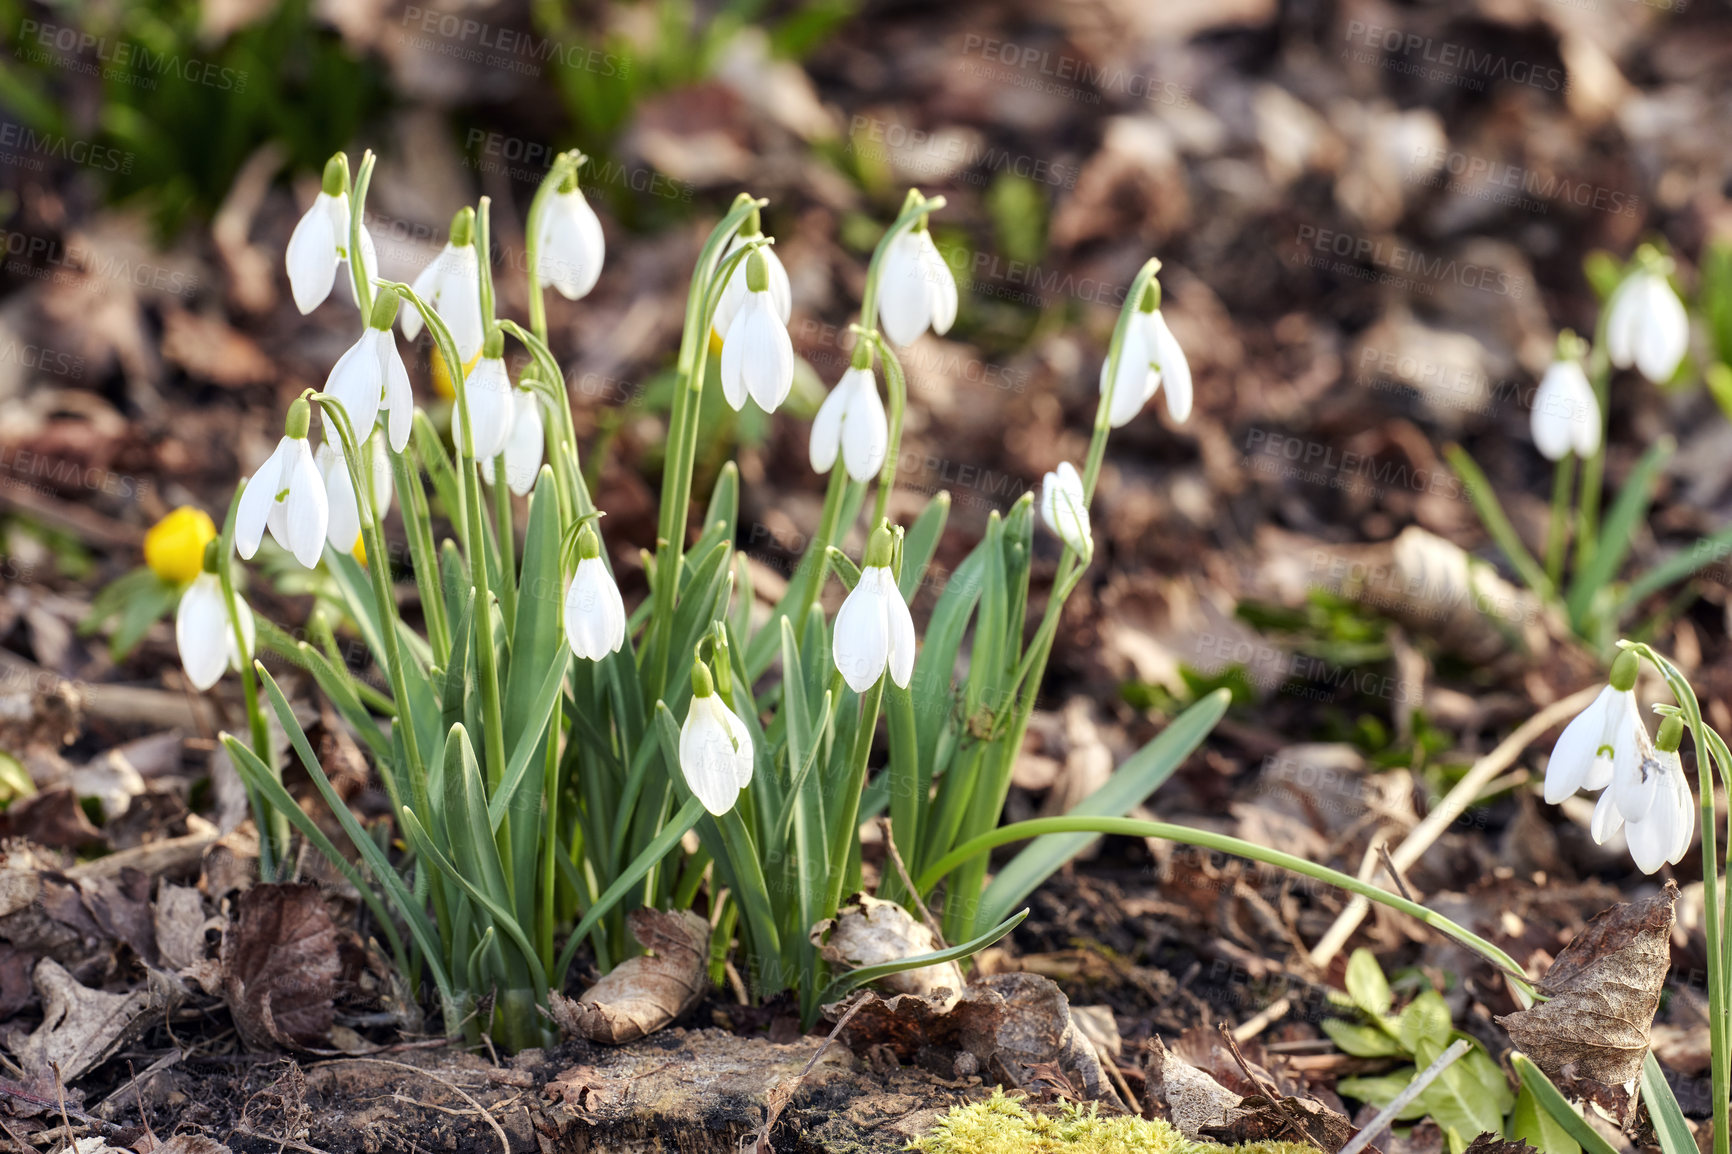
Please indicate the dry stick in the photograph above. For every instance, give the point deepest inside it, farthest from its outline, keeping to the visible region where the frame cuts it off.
(784, 1091)
(1394, 873)
(1453, 805)
(902, 872)
(1414, 1089)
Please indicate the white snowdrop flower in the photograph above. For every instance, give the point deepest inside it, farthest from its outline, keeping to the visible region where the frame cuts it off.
(204, 634)
(344, 528)
(1566, 415)
(1149, 357)
(1064, 508)
(1601, 737)
(492, 409)
(286, 495)
(715, 748)
(524, 447)
(757, 354)
(319, 246)
(734, 295)
(594, 610)
(916, 288)
(570, 247)
(1663, 832)
(371, 375)
(1646, 325)
(874, 630)
(851, 421)
(451, 286)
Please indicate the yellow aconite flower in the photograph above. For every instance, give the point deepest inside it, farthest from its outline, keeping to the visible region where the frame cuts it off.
(442, 376)
(174, 547)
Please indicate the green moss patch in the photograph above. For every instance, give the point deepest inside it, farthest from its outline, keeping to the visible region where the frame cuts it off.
(1001, 1123)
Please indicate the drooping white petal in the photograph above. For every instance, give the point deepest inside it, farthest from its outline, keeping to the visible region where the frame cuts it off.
(905, 291)
(357, 380)
(1137, 378)
(487, 391)
(1064, 508)
(757, 355)
(1664, 337)
(451, 286)
(306, 513)
(1574, 754)
(1169, 361)
(426, 286)
(901, 621)
(734, 295)
(1606, 821)
(202, 632)
(1684, 815)
(257, 501)
(826, 440)
(524, 447)
(343, 512)
(1650, 838)
(312, 255)
(861, 641)
(1566, 416)
(941, 300)
(594, 611)
(715, 754)
(1635, 776)
(399, 400)
(865, 429)
(571, 247)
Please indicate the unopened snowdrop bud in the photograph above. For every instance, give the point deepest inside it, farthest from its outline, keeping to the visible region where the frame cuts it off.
(874, 630)
(916, 288)
(1601, 738)
(1149, 357)
(594, 610)
(203, 631)
(523, 448)
(321, 239)
(451, 286)
(1566, 415)
(371, 373)
(344, 527)
(734, 294)
(570, 246)
(1646, 325)
(851, 421)
(715, 748)
(757, 354)
(1064, 508)
(487, 392)
(286, 495)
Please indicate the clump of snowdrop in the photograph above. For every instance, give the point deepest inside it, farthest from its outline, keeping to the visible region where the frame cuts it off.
(203, 631)
(451, 285)
(1149, 357)
(1646, 325)
(1064, 507)
(851, 422)
(918, 290)
(757, 353)
(715, 748)
(286, 495)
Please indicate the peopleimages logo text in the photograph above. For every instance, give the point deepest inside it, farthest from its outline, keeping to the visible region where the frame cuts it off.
(1417, 52)
(34, 36)
(1400, 258)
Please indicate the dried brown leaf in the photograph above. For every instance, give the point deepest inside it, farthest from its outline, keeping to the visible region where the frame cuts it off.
(642, 994)
(1489, 1143)
(51, 818)
(1261, 1119)
(81, 1027)
(280, 966)
(869, 932)
(180, 925)
(1603, 991)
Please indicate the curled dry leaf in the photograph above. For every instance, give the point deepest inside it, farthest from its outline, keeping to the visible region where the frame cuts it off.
(1603, 991)
(1195, 1101)
(642, 994)
(81, 1027)
(280, 966)
(868, 932)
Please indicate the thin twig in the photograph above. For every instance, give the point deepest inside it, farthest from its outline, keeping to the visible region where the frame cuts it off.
(1271, 1092)
(1414, 1089)
(908, 883)
(1394, 872)
(784, 1091)
(1453, 805)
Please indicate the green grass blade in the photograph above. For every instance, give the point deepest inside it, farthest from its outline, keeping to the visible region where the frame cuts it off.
(1551, 1099)
(1703, 552)
(853, 979)
(1669, 1124)
(1613, 542)
(1485, 502)
(922, 542)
